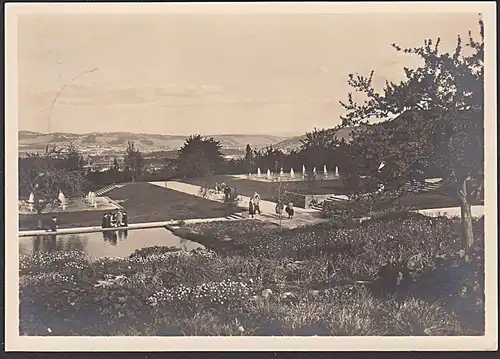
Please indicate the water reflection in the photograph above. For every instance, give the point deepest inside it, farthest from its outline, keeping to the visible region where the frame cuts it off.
(112, 237)
(119, 243)
(51, 242)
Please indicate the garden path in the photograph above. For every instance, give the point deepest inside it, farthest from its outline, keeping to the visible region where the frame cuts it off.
(302, 216)
(265, 206)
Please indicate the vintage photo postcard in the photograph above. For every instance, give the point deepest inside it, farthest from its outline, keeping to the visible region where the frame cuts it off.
(251, 176)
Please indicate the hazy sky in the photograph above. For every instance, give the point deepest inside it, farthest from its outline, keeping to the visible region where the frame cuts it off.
(209, 74)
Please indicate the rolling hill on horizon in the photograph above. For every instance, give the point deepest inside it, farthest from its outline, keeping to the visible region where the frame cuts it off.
(31, 140)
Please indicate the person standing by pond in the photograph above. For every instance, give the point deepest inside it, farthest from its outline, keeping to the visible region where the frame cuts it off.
(107, 220)
(119, 218)
(104, 221)
(113, 220)
(256, 200)
(53, 224)
(124, 219)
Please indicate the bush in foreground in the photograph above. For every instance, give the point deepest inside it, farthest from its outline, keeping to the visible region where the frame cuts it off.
(280, 284)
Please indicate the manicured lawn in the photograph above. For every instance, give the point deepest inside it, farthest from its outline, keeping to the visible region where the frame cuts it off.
(268, 190)
(144, 203)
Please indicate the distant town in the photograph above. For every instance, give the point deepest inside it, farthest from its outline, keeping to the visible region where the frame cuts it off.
(100, 150)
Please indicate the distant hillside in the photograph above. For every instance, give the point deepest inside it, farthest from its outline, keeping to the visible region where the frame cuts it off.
(29, 140)
(295, 142)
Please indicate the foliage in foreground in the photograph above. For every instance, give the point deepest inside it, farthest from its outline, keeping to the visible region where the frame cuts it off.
(165, 291)
(437, 116)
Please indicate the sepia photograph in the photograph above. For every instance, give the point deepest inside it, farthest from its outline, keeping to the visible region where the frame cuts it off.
(238, 171)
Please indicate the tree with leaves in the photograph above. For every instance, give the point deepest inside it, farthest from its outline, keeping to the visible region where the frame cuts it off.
(199, 157)
(269, 158)
(439, 110)
(319, 148)
(116, 165)
(73, 159)
(134, 161)
(248, 153)
(42, 175)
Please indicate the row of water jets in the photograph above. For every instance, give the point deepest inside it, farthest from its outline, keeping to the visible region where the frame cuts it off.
(90, 199)
(292, 172)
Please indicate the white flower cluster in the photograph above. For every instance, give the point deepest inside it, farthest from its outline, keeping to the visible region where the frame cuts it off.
(177, 254)
(43, 260)
(49, 277)
(214, 292)
(159, 257)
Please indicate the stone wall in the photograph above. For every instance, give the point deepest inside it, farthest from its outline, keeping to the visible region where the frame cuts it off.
(304, 200)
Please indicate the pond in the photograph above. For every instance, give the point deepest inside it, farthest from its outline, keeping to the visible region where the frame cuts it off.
(120, 243)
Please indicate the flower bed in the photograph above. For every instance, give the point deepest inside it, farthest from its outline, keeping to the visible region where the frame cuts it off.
(275, 283)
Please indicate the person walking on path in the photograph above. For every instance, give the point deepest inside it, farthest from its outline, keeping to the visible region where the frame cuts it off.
(289, 209)
(227, 194)
(279, 208)
(251, 208)
(256, 200)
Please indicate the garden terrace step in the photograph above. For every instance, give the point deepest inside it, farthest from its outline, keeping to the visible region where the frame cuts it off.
(235, 216)
(428, 186)
(107, 189)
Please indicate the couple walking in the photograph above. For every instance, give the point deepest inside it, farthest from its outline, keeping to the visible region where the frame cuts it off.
(280, 206)
(254, 205)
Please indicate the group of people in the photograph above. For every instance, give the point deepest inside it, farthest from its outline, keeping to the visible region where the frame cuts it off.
(280, 206)
(220, 187)
(116, 219)
(229, 192)
(254, 205)
(254, 202)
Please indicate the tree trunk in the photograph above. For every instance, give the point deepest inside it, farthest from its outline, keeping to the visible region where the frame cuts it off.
(466, 215)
